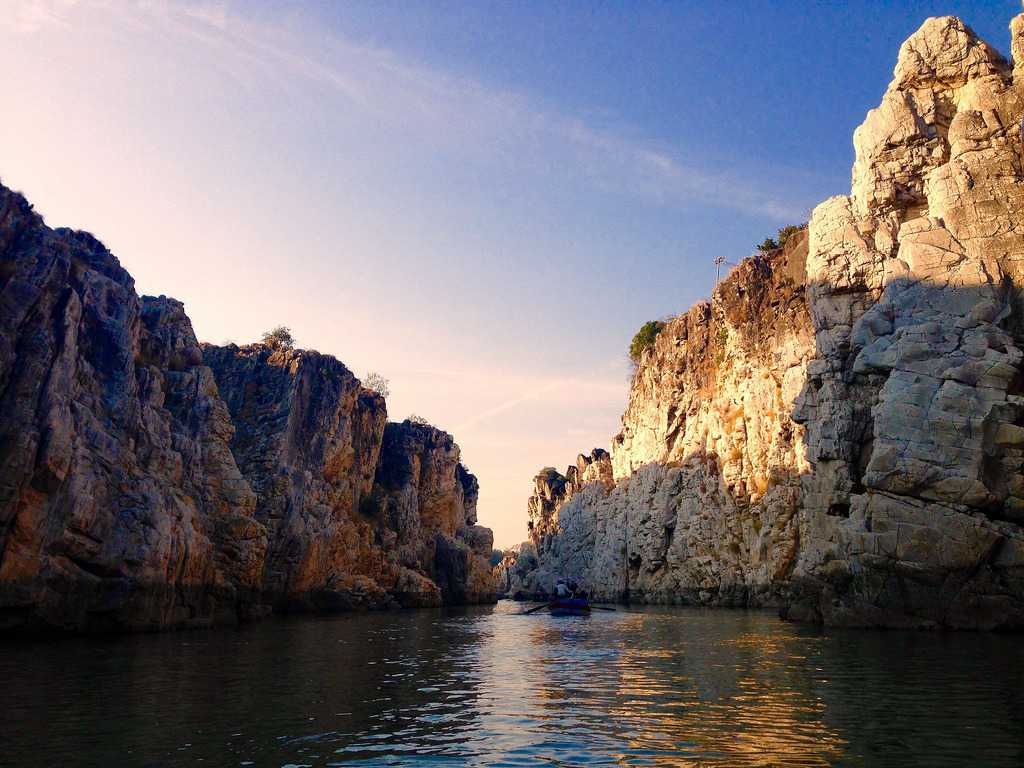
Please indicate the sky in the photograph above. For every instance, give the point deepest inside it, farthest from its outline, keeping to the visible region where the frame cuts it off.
(481, 201)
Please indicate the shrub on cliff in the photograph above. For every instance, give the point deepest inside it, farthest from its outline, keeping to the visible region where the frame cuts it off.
(644, 338)
(374, 382)
(788, 231)
(416, 419)
(279, 338)
(771, 244)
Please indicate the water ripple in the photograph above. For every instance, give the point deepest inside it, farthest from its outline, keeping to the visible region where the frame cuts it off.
(661, 687)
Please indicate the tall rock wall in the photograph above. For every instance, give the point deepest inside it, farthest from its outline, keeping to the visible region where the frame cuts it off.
(120, 501)
(149, 482)
(841, 430)
(698, 499)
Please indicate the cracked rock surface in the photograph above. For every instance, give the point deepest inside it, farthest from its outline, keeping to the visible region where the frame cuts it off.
(150, 482)
(840, 431)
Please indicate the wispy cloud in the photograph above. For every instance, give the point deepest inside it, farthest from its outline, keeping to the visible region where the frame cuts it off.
(496, 123)
(213, 14)
(29, 16)
(605, 385)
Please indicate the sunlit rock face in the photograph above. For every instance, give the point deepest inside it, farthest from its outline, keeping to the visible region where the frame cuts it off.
(841, 429)
(698, 499)
(913, 403)
(149, 482)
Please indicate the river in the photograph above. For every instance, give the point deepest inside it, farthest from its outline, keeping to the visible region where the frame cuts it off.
(487, 686)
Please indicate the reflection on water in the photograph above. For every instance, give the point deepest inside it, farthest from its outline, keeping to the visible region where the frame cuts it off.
(486, 686)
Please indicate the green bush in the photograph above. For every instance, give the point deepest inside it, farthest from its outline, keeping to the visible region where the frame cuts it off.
(787, 232)
(279, 338)
(644, 339)
(771, 244)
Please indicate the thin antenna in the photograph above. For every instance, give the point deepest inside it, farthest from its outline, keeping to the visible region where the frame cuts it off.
(719, 261)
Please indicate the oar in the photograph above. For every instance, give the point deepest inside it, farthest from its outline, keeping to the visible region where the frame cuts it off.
(602, 608)
(538, 608)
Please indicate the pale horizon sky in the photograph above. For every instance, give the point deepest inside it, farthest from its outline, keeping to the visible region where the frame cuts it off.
(481, 201)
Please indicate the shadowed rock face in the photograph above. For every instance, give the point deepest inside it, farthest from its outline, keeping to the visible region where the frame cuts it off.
(148, 482)
(428, 501)
(307, 438)
(120, 502)
(839, 430)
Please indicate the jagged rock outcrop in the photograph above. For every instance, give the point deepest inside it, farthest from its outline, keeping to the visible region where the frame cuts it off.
(428, 501)
(839, 430)
(307, 438)
(913, 402)
(120, 502)
(708, 462)
(149, 482)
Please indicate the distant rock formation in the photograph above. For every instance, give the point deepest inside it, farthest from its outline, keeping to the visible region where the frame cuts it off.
(840, 431)
(149, 482)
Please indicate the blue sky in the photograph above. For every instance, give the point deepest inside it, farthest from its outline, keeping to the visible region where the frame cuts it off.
(482, 201)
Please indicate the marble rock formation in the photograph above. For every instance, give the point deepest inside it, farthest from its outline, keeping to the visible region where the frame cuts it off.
(149, 482)
(840, 431)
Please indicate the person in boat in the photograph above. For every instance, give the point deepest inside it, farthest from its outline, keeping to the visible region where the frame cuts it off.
(562, 590)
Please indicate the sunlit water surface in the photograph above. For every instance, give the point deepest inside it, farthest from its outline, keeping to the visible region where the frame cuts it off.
(486, 686)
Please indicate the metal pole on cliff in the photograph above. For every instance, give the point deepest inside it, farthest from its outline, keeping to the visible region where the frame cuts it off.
(719, 261)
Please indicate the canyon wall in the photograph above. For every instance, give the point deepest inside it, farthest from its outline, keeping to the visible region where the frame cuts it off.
(148, 481)
(840, 431)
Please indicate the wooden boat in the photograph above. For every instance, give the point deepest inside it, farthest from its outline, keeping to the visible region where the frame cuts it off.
(570, 606)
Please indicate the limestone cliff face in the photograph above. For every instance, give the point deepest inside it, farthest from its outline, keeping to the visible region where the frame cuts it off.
(913, 404)
(120, 502)
(307, 438)
(428, 500)
(698, 498)
(149, 482)
(841, 430)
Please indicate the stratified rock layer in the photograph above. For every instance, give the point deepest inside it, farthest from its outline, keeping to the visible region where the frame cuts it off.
(148, 482)
(841, 430)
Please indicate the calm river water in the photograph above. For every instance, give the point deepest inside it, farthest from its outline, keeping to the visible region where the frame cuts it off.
(663, 687)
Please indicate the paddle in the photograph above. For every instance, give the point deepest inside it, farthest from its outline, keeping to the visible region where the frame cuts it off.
(538, 608)
(602, 608)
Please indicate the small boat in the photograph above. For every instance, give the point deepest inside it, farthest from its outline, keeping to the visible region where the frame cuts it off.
(570, 606)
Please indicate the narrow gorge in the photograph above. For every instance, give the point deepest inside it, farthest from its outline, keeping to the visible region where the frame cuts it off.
(149, 482)
(839, 431)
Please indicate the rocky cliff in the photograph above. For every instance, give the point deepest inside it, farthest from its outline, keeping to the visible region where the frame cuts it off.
(147, 481)
(840, 431)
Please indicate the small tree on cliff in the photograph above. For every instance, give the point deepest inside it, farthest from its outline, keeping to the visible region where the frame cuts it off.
(416, 419)
(279, 338)
(376, 383)
(644, 338)
(771, 244)
(788, 231)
